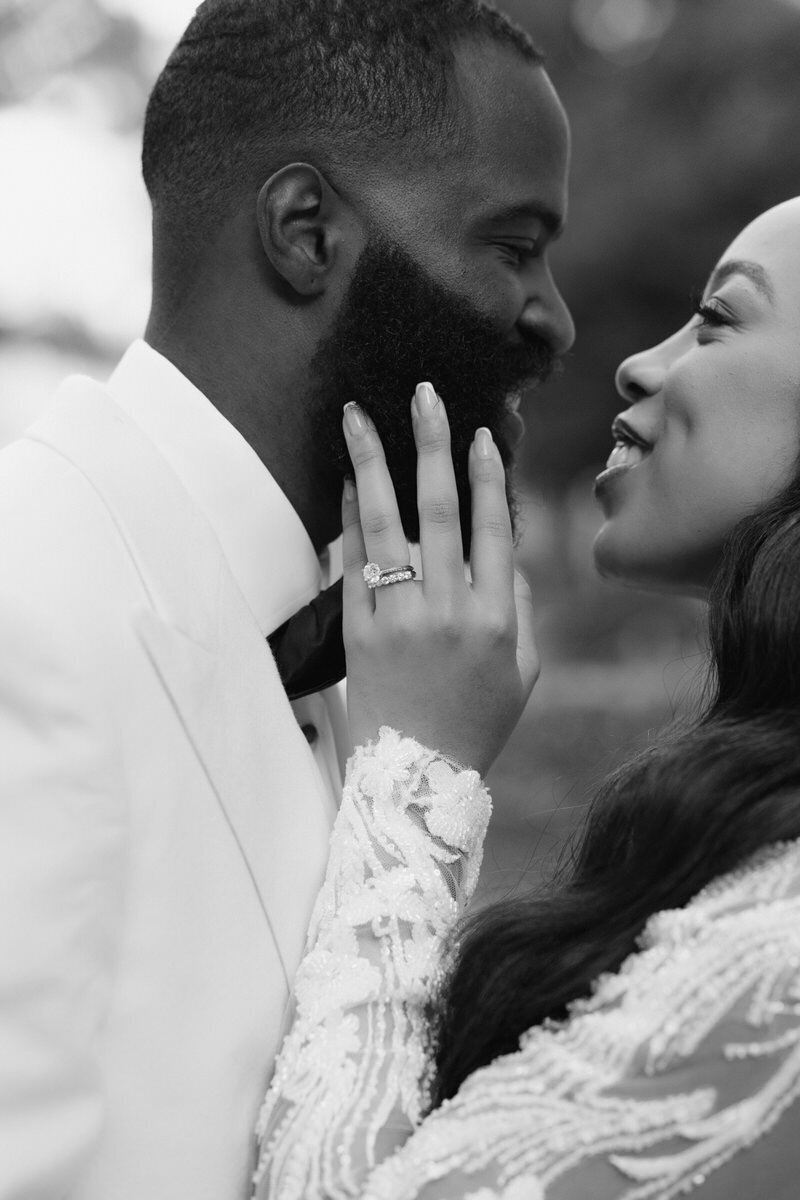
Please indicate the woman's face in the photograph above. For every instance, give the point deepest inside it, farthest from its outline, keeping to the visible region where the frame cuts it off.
(712, 430)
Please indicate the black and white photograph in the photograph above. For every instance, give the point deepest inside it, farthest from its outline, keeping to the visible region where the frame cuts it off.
(399, 600)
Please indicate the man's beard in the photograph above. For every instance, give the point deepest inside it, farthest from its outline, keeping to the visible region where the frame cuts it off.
(397, 327)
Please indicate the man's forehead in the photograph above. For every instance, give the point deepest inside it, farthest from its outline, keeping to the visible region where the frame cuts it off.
(508, 161)
(516, 149)
(496, 83)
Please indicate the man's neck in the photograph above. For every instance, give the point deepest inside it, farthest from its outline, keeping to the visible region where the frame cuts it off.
(263, 399)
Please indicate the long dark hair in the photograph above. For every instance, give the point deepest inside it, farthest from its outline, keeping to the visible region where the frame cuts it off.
(691, 807)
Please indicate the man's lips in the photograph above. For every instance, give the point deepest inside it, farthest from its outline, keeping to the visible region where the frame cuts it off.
(513, 429)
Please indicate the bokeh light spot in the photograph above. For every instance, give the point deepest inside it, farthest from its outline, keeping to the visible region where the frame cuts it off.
(626, 31)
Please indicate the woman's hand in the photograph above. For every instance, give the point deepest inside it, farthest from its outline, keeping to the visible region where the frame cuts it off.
(443, 660)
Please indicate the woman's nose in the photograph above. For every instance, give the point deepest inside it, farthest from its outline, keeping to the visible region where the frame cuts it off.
(641, 375)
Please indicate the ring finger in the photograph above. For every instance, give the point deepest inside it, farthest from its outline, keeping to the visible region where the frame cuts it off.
(384, 539)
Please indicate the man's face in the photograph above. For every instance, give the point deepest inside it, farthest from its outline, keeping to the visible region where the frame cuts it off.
(397, 327)
(454, 285)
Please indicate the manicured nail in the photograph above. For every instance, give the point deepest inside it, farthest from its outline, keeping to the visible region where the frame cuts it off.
(426, 400)
(355, 420)
(484, 445)
(349, 491)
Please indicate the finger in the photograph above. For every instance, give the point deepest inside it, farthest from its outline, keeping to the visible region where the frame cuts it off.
(492, 551)
(441, 546)
(357, 599)
(527, 652)
(384, 540)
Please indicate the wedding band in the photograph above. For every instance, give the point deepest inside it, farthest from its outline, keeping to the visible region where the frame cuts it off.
(375, 577)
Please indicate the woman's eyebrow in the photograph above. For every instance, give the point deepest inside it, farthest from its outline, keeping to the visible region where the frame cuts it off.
(751, 270)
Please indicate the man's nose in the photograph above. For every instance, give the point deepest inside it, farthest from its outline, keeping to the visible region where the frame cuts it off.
(548, 317)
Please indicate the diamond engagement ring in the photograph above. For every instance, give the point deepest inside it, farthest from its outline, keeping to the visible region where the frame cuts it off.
(374, 577)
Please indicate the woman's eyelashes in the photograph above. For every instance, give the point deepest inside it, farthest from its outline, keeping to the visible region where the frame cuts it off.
(712, 312)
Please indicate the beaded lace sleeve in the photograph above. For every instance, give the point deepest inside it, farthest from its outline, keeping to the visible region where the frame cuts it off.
(679, 1075)
(350, 1081)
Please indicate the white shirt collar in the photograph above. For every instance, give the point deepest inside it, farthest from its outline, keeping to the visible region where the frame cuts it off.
(264, 541)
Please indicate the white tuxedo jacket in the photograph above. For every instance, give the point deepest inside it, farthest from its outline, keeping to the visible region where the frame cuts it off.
(163, 827)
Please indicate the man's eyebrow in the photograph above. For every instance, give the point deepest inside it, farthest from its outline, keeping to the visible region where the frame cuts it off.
(530, 210)
(751, 270)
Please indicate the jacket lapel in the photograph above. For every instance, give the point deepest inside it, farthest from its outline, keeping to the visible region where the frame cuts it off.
(210, 657)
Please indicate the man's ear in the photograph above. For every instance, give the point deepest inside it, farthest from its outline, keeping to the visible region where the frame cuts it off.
(296, 211)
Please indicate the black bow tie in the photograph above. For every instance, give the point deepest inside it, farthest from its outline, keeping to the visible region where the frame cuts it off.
(308, 648)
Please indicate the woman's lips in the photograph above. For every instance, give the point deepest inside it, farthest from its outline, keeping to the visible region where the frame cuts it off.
(630, 449)
(625, 454)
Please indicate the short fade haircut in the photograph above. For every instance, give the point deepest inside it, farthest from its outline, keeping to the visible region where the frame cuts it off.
(334, 81)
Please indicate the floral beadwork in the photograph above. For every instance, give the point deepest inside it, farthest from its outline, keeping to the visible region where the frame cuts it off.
(685, 1057)
(653, 1060)
(405, 854)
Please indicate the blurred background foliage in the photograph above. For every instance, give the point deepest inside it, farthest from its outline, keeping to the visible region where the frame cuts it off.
(685, 126)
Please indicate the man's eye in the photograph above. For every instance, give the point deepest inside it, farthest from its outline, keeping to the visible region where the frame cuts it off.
(521, 252)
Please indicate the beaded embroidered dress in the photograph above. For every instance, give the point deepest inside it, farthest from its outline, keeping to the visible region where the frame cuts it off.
(677, 1075)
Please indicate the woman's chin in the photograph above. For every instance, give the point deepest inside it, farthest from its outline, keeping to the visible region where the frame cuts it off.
(613, 565)
(638, 567)
(642, 568)
(612, 561)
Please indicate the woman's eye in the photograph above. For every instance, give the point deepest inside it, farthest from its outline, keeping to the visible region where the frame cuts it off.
(711, 313)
